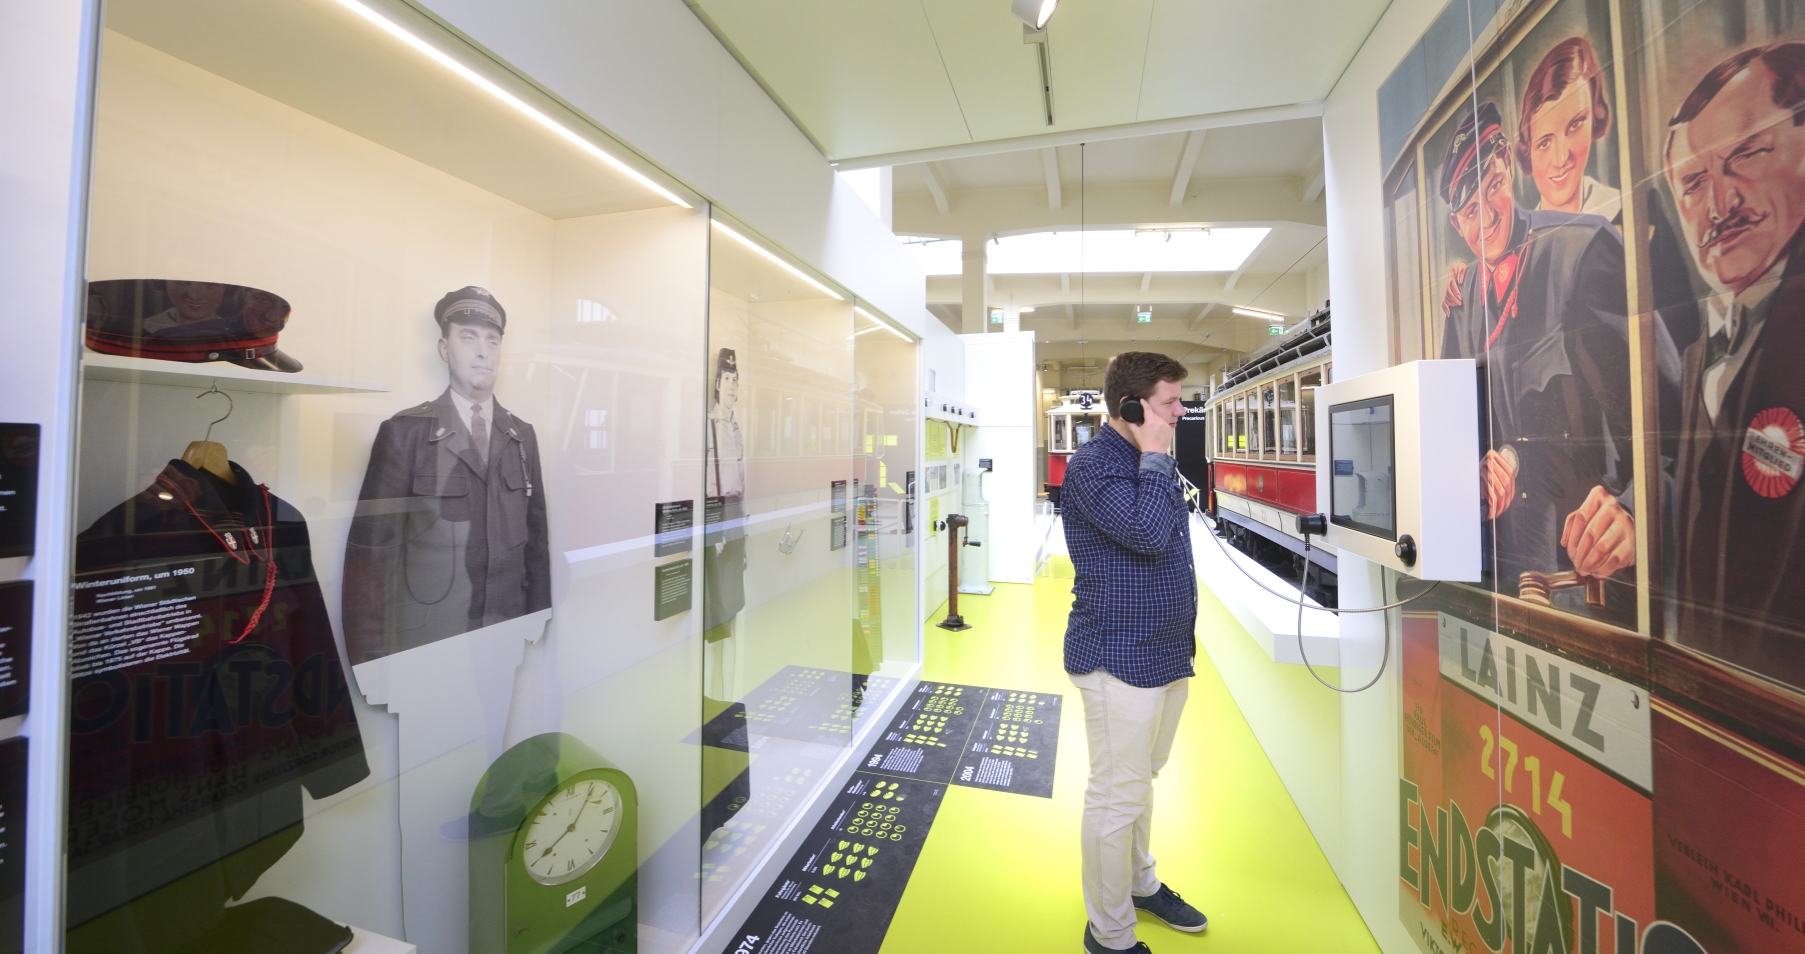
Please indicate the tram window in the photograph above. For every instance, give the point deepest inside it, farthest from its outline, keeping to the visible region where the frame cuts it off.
(1288, 416)
(1307, 383)
(1059, 443)
(1240, 423)
(1268, 421)
(1253, 423)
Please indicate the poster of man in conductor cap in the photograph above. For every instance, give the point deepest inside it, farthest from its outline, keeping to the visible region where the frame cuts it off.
(449, 534)
(1542, 309)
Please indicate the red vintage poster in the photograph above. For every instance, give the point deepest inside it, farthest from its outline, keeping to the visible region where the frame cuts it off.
(1729, 836)
(1524, 814)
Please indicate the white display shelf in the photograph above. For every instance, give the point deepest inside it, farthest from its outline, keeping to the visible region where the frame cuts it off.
(231, 377)
(369, 942)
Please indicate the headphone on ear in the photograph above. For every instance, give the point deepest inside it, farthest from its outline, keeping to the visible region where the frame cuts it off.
(1130, 410)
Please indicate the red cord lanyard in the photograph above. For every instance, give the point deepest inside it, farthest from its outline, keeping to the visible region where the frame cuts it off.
(269, 554)
(1509, 308)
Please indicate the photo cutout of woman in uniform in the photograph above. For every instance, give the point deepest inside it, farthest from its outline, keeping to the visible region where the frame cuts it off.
(1537, 296)
(724, 553)
(726, 782)
(450, 529)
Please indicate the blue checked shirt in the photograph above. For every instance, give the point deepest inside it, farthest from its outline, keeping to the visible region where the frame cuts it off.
(1134, 601)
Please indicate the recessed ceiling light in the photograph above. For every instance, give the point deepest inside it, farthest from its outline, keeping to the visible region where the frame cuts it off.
(1026, 308)
(786, 266)
(1256, 313)
(483, 83)
(1034, 13)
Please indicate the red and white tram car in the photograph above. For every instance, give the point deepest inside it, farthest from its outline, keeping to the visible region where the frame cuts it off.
(1262, 442)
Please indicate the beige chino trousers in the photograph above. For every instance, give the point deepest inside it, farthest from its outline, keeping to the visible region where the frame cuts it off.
(1130, 730)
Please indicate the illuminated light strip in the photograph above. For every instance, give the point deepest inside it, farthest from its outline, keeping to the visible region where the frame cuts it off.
(881, 324)
(487, 86)
(1256, 313)
(760, 249)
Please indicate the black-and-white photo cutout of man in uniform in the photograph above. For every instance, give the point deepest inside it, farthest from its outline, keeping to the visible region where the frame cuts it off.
(724, 553)
(450, 530)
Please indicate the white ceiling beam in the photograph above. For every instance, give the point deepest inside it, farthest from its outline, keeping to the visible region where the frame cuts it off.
(1236, 277)
(1146, 280)
(1065, 283)
(1202, 313)
(1314, 182)
(1313, 188)
(1049, 163)
(1072, 137)
(1187, 162)
(1071, 315)
(936, 186)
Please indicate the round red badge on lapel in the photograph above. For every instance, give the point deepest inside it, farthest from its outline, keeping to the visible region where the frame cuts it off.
(1773, 452)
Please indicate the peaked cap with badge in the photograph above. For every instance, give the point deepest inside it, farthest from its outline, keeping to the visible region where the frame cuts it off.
(153, 318)
(1547, 325)
(448, 536)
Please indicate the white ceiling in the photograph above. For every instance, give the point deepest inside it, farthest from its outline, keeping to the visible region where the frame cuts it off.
(338, 67)
(1261, 150)
(869, 78)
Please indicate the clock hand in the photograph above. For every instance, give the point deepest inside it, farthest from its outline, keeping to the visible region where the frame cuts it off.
(567, 830)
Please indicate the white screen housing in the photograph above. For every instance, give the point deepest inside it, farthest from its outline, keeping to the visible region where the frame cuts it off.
(1424, 485)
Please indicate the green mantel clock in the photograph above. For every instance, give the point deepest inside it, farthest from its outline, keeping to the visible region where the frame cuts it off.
(554, 852)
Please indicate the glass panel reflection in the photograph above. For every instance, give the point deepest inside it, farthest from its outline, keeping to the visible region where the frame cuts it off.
(784, 641)
(424, 589)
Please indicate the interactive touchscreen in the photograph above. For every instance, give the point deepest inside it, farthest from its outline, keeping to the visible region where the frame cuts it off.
(1363, 493)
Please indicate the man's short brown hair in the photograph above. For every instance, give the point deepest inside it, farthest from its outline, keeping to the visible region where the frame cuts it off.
(1134, 374)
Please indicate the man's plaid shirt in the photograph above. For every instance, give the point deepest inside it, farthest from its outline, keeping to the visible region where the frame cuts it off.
(1135, 596)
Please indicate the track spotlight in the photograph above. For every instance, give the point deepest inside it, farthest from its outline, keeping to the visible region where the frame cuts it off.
(1035, 13)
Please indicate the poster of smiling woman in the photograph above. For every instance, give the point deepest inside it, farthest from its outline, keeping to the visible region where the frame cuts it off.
(1524, 180)
(1602, 203)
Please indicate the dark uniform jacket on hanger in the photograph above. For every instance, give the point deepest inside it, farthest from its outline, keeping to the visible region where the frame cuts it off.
(207, 691)
(445, 540)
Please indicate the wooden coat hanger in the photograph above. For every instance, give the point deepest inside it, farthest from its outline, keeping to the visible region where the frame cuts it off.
(206, 455)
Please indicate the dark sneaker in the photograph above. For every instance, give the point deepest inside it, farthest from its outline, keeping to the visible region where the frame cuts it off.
(1092, 947)
(1166, 905)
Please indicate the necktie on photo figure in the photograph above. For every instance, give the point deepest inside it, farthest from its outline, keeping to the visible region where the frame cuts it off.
(479, 434)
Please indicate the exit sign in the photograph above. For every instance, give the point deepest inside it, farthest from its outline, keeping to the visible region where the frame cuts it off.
(1275, 329)
(1143, 316)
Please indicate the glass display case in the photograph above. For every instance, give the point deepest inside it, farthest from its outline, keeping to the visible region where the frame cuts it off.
(462, 502)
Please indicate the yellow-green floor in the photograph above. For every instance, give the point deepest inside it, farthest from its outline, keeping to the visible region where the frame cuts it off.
(999, 871)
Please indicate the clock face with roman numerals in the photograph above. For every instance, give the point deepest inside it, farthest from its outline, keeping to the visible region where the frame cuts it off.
(573, 831)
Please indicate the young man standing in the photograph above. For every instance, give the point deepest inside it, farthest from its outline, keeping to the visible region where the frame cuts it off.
(1129, 642)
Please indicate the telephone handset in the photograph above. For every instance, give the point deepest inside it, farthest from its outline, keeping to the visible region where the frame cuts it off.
(1131, 411)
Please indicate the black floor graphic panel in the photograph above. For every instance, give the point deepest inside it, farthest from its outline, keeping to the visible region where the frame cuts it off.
(840, 890)
(799, 703)
(1001, 739)
(926, 739)
(1014, 743)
